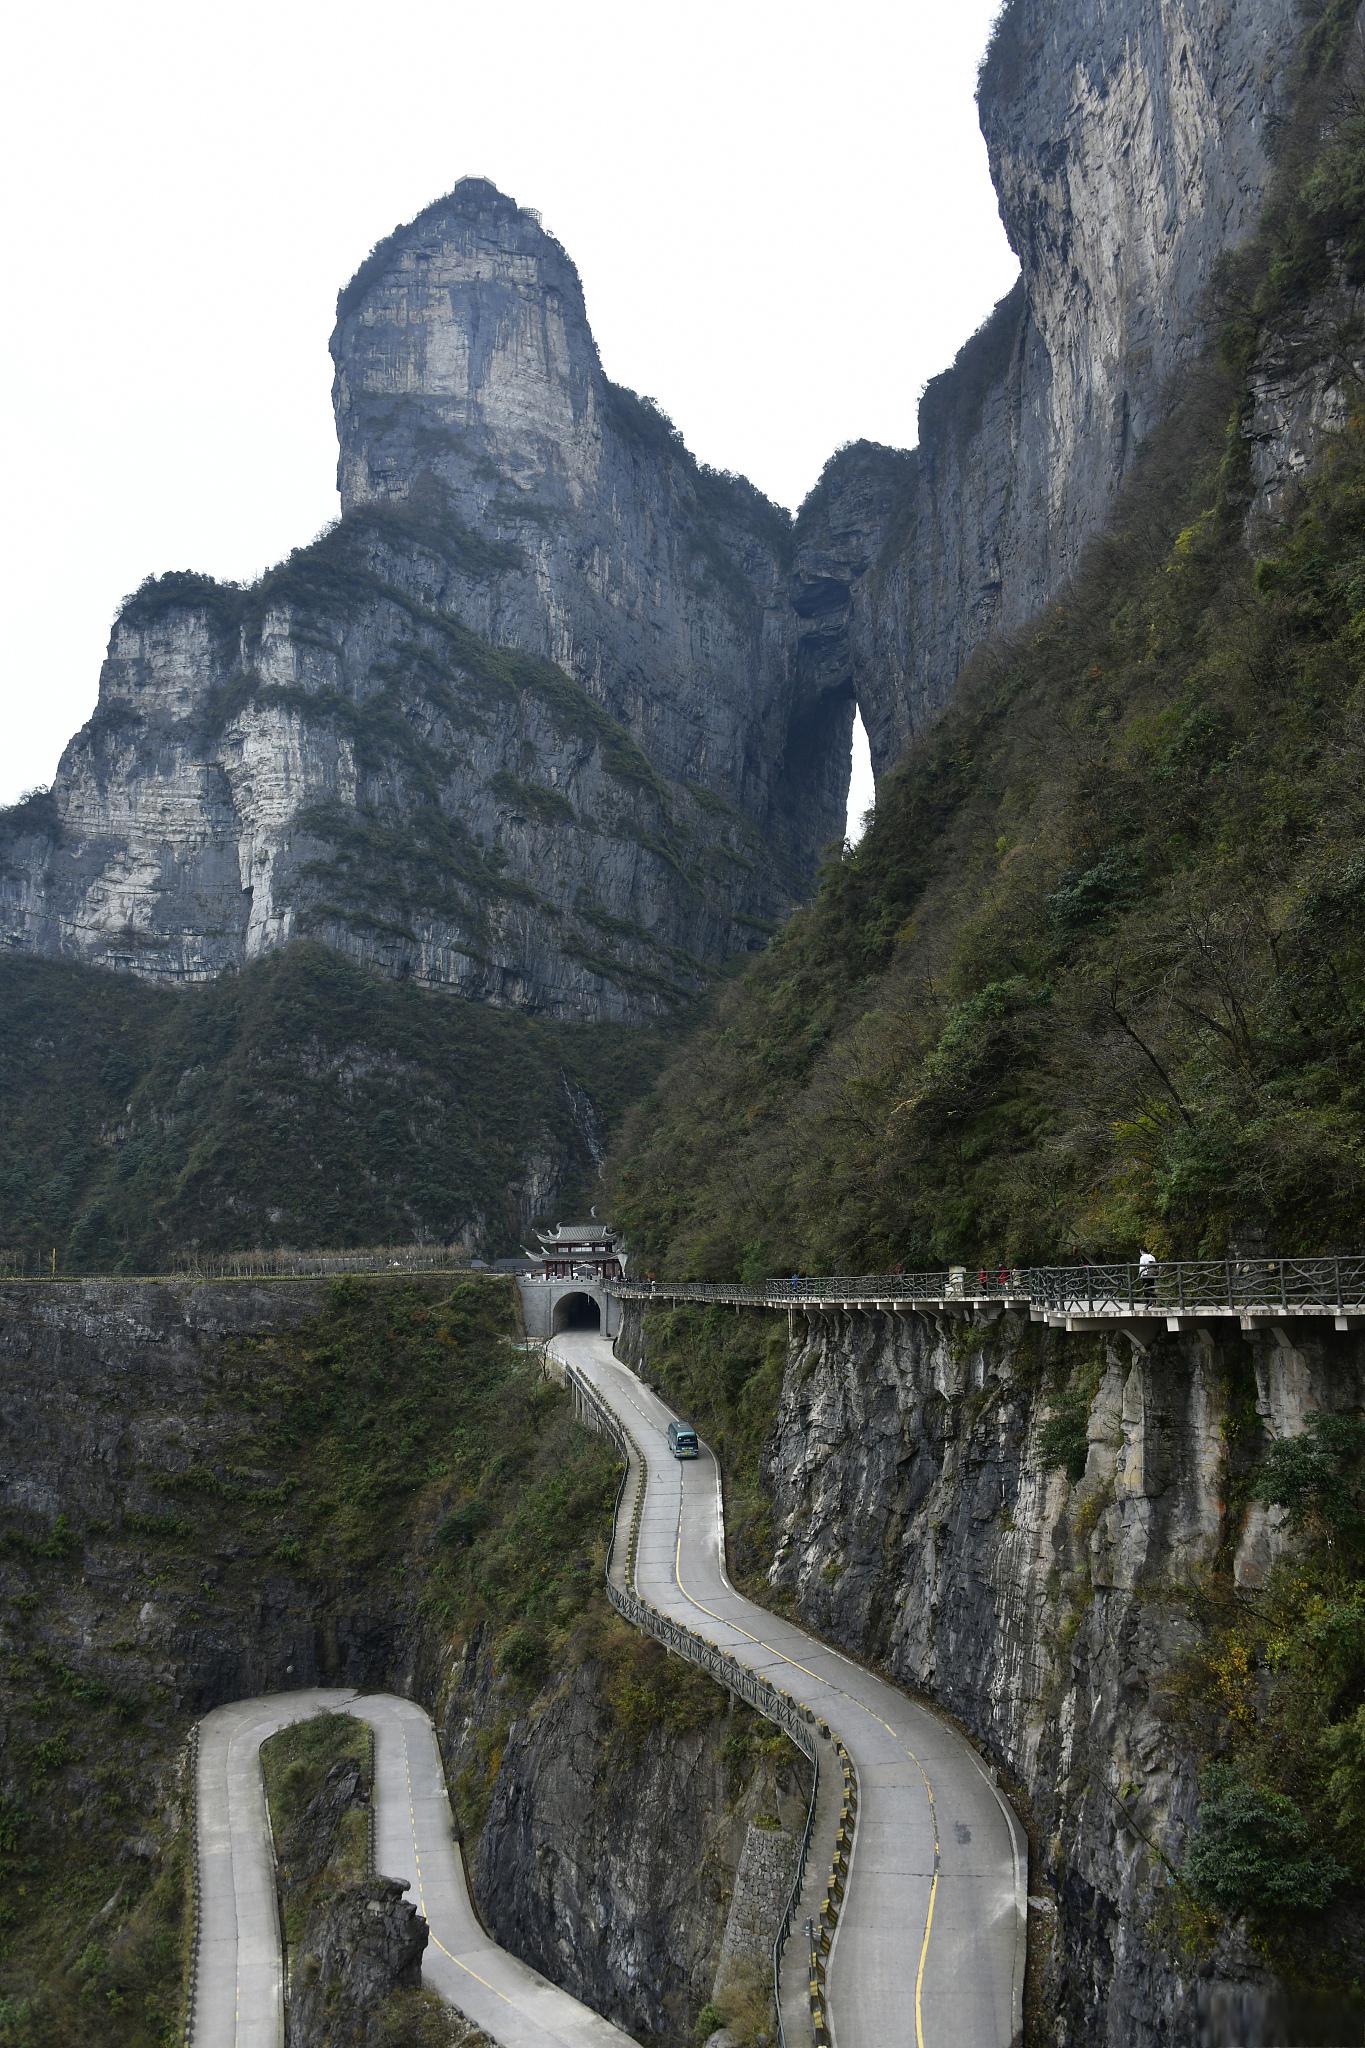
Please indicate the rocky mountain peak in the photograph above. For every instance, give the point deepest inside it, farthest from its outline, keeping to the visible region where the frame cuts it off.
(462, 348)
(559, 716)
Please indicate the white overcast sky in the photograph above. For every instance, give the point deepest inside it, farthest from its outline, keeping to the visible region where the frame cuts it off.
(780, 210)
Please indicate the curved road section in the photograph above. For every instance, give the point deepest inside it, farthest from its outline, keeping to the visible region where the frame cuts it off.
(239, 2001)
(929, 1948)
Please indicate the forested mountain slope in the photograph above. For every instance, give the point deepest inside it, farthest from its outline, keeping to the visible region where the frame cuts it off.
(306, 1100)
(1097, 971)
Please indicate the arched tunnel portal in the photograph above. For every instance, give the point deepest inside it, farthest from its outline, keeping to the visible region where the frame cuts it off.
(577, 1311)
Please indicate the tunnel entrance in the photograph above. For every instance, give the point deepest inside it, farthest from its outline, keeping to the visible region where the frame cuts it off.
(577, 1312)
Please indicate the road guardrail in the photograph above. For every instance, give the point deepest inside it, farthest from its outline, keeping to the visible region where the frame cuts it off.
(196, 1909)
(798, 1722)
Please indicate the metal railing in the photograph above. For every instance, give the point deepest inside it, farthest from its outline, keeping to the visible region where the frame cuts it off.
(1188, 1286)
(796, 1721)
(282, 1263)
(1293, 1286)
(196, 1902)
(1228, 1286)
(764, 1293)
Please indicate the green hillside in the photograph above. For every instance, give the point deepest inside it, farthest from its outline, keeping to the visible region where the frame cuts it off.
(1097, 973)
(303, 1101)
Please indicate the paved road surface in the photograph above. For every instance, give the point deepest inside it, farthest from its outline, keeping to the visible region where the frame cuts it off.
(929, 1949)
(240, 1995)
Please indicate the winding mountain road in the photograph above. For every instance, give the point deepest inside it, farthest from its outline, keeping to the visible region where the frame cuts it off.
(929, 1948)
(240, 1991)
(928, 1951)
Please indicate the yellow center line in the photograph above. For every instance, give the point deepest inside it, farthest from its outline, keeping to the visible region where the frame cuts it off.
(872, 1715)
(929, 1916)
(468, 1972)
(412, 1826)
(432, 1936)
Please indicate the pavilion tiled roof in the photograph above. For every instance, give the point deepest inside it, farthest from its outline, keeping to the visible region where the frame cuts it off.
(577, 1233)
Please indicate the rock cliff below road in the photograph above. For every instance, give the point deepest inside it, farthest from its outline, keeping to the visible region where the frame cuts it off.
(1045, 1533)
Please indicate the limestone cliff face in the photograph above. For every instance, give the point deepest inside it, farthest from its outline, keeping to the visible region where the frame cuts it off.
(522, 724)
(1128, 144)
(557, 717)
(918, 1522)
(463, 355)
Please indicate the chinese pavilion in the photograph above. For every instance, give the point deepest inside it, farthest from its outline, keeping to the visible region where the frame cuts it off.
(578, 1251)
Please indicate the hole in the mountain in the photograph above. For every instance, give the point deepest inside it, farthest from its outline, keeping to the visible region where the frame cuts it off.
(862, 791)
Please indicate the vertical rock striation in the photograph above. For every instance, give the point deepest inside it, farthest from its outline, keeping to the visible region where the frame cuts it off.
(522, 724)
(1128, 144)
(557, 716)
(583, 1822)
(919, 1520)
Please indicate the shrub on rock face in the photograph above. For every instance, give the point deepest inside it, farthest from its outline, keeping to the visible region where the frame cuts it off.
(1318, 1477)
(1253, 1853)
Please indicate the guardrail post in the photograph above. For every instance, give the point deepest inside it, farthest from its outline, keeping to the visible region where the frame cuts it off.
(729, 1671)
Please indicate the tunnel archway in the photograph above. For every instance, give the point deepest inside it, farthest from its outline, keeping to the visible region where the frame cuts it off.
(577, 1311)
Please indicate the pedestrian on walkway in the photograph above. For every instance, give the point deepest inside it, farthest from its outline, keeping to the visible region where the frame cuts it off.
(1147, 1273)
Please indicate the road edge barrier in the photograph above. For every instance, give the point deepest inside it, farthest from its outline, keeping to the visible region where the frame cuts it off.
(371, 1794)
(196, 1914)
(804, 1728)
(821, 1929)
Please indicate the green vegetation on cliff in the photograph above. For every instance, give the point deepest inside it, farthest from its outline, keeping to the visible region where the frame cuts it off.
(375, 1470)
(320, 1843)
(232, 1490)
(1273, 1696)
(319, 1781)
(302, 1101)
(1096, 974)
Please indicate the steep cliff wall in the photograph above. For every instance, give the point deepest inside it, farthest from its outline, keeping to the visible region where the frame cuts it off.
(922, 1515)
(634, 1836)
(522, 724)
(555, 716)
(1128, 144)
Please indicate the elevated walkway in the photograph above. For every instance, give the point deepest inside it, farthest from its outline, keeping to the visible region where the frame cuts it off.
(1253, 1294)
